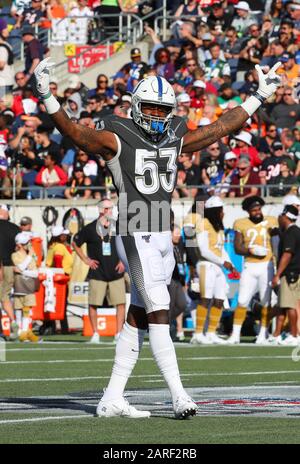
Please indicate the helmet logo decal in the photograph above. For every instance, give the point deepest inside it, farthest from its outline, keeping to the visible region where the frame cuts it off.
(160, 87)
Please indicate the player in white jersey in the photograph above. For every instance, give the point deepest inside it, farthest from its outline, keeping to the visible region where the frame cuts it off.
(213, 285)
(144, 168)
(253, 241)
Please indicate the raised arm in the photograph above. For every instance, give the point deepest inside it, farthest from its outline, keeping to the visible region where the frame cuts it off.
(104, 142)
(235, 118)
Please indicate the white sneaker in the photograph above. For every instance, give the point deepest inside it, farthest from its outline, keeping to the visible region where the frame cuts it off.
(184, 407)
(274, 340)
(289, 341)
(233, 340)
(120, 408)
(180, 337)
(95, 339)
(213, 338)
(200, 339)
(261, 340)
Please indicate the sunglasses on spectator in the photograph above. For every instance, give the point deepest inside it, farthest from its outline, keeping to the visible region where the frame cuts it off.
(242, 169)
(272, 130)
(163, 55)
(103, 81)
(215, 149)
(53, 87)
(191, 64)
(290, 93)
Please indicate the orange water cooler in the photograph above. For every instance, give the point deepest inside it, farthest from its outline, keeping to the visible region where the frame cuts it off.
(106, 323)
(61, 288)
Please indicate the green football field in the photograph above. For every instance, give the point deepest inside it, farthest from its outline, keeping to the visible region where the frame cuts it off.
(246, 394)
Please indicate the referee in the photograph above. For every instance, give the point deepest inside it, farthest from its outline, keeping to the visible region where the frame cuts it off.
(288, 270)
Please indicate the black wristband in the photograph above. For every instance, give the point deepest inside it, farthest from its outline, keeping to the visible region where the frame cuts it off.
(259, 97)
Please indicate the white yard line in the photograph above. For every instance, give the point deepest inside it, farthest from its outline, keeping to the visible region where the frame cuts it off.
(198, 358)
(42, 419)
(143, 376)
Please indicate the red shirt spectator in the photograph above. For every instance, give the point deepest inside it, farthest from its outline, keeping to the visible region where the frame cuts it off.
(51, 174)
(242, 183)
(244, 148)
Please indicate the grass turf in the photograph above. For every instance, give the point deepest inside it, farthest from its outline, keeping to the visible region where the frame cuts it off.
(76, 368)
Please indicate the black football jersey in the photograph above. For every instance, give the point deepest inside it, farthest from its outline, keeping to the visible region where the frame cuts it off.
(144, 173)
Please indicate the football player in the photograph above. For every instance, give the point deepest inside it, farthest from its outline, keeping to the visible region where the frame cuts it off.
(253, 241)
(141, 154)
(213, 285)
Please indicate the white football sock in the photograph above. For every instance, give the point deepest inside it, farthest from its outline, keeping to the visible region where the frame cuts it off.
(263, 331)
(236, 332)
(25, 323)
(18, 314)
(128, 347)
(164, 354)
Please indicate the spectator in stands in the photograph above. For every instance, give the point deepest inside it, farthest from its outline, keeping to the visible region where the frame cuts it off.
(13, 182)
(192, 9)
(230, 162)
(6, 60)
(102, 87)
(286, 33)
(212, 166)
(244, 183)
(42, 139)
(244, 147)
(197, 94)
(270, 168)
(287, 112)
(33, 15)
(163, 65)
(192, 173)
(90, 166)
(250, 55)
(219, 16)
(74, 106)
(77, 86)
(51, 176)
(290, 69)
(285, 180)
(106, 271)
(243, 17)
(227, 95)
(26, 224)
(78, 184)
(265, 143)
(216, 69)
(34, 51)
(20, 79)
(233, 44)
(277, 11)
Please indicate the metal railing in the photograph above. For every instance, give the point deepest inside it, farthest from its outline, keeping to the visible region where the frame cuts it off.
(42, 193)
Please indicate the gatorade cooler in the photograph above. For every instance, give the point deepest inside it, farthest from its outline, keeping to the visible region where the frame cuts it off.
(38, 249)
(5, 325)
(61, 289)
(106, 323)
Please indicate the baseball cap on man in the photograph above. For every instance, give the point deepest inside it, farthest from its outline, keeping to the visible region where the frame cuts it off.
(206, 36)
(200, 84)
(230, 156)
(135, 52)
(4, 207)
(291, 200)
(25, 221)
(23, 238)
(285, 57)
(214, 202)
(28, 30)
(183, 98)
(277, 146)
(242, 6)
(244, 136)
(59, 230)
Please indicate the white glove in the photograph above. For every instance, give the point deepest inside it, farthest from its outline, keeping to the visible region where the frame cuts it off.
(259, 250)
(42, 76)
(268, 83)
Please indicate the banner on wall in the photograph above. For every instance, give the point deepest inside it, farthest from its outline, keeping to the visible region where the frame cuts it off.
(89, 57)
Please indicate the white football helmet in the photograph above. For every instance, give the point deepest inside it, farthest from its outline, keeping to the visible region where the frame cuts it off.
(156, 90)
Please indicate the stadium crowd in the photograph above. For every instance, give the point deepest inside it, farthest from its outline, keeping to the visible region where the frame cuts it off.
(209, 58)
